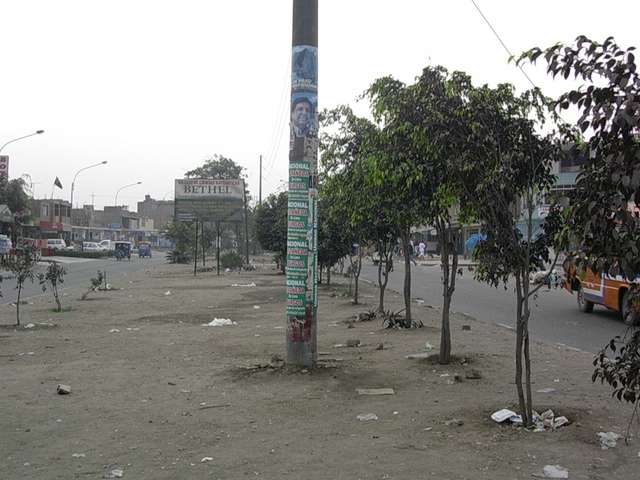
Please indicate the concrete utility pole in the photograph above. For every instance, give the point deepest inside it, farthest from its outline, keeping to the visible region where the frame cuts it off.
(302, 214)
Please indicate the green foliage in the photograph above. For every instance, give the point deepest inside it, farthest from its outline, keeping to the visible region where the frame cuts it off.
(270, 224)
(181, 234)
(51, 279)
(180, 254)
(218, 167)
(345, 293)
(231, 260)
(623, 371)
(349, 155)
(13, 194)
(95, 284)
(602, 216)
(335, 238)
(22, 266)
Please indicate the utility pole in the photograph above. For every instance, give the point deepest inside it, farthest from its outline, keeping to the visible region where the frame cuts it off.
(302, 212)
(260, 184)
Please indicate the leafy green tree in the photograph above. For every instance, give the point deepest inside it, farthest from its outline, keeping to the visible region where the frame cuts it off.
(23, 266)
(218, 167)
(507, 169)
(334, 239)
(347, 157)
(602, 214)
(270, 225)
(13, 194)
(421, 116)
(53, 277)
(180, 233)
(400, 162)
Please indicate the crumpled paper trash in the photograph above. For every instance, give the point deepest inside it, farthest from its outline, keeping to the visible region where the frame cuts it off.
(219, 322)
(552, 471)
(609, 439)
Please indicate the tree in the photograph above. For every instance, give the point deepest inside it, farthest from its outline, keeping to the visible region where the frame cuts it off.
(394, 107)
(23, 266)
(51, 279)
(507, 169)
(347, 157)
(602, 214)
(181, 234)
(436, 96)
(270, 226)
(13, 194)
(334, 240)
(218, 167)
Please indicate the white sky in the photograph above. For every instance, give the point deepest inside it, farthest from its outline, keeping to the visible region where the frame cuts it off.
(156, 87)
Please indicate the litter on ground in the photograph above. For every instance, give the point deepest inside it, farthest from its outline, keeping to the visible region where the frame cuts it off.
(609, 439)
(219, 322)
(375, 391)
(552, 471)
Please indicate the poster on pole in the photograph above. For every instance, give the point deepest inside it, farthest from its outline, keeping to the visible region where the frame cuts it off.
(209, 200)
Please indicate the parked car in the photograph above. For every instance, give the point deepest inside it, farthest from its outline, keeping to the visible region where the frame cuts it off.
(92, 247)
(107, 244)
(56, 243)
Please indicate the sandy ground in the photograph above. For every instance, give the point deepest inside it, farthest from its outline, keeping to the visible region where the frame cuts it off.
(157, 395)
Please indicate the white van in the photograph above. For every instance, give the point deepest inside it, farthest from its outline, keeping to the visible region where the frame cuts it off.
(107, 244)
(56, 244)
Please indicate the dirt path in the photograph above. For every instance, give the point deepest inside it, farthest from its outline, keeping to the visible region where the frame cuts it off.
(155, 394)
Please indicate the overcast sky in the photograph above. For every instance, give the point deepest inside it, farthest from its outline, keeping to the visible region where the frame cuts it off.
(156, 87)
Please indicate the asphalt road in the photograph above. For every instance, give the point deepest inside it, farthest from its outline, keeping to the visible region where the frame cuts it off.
(80, 271)
(555, 317)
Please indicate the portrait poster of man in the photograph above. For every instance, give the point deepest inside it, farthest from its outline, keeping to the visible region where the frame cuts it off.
(303, 115)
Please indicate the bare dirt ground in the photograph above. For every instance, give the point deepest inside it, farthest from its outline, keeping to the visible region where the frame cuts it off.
(157, 395)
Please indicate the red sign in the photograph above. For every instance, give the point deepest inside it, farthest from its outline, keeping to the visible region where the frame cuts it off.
(4, 166)
(51, 226)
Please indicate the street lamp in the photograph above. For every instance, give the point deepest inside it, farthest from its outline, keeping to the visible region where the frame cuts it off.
(73, 184)
(20, 138)
(168, 193)
(131, 185)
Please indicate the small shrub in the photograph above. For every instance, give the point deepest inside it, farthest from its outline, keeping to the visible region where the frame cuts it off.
(180, 254)
(51, 279)
(346, 293)
(231, 260)
(95, 284)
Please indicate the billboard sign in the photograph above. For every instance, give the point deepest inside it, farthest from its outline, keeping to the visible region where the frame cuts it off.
(209, 200)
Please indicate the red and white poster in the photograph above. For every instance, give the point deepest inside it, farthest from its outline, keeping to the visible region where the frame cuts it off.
(4, 166)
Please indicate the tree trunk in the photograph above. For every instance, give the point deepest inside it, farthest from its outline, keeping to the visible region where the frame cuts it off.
(448, 241)
(407, 278)
(383, 277)
(356, 277)
(18, 303)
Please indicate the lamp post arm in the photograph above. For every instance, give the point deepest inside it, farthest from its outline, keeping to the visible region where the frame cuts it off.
(73, 183)
(20, 138)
